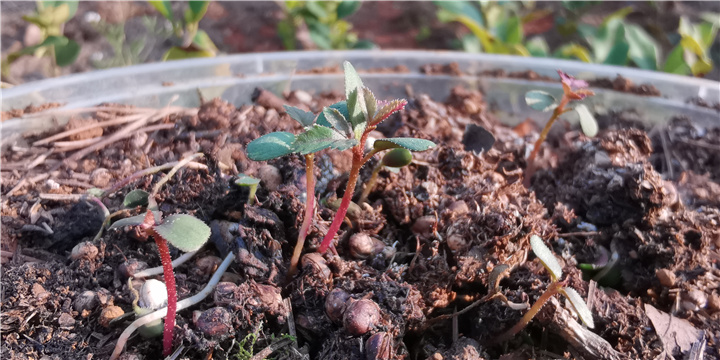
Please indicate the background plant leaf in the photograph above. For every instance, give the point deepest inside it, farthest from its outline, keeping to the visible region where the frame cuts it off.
(540, 100)
(196, 10)
(675, 62)
(271, 146)
(305, 118)
(411, 144)
(185, 232)
(547, 258)
(164, 8)
(178, 53)
(203, 42)
(347, 8)
(643, 50)
(66, 54)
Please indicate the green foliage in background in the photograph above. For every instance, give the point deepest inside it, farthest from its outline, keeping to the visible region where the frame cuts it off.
(194, 42)
(129, 52)
(497, 28)
(324, 22)
(50, 17)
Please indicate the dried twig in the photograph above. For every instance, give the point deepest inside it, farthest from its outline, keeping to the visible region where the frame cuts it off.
(264, 353)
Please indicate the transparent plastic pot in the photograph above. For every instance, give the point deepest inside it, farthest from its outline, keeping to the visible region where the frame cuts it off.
(235, 77)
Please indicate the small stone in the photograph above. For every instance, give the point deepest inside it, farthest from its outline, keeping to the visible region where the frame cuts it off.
(86, 301)
(100, 178)
(667, 278)
(84, 250)
(270, 177)
(424, 226)
(131, 267)
(215, 322)
(109, 313)
(361, 316)
(66, 320)
(207, 265)
(38, 290)
(714, 302)
(458, 208)
(335, 304)
(302, 96)
(456, 242)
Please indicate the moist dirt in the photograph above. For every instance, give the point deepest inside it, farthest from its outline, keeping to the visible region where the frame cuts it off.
(640, 202)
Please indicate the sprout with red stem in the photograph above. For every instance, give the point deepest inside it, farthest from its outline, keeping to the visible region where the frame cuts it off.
(344, 125)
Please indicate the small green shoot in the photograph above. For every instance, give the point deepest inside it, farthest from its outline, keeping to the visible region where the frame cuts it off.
(251, 183)
(573, 90)
(194, 42)
(325, 23)
(550, 263)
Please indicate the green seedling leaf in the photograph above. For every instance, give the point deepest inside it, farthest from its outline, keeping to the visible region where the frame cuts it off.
(340, 106)
(98, 193)
(337, 120)
(618, 54)
(540, 100)
(587, 120)
(365, 45)
(305, 118)
(706, 32)
(347, 8)
(610, 34)
(178, 53)
(49, 41)
(357, 107)
(546, 257)
(573, 50)
(352, 80)
(643, 50)
(316, 9)
(185, 232)
(318, 138)
(246, 180)
(319, 33)
(196, 11)
(397, 158)
(72, 5)
(538, 47)
(271, 146)
(136, 198)
(511, 31)
(370, 103)
(411, 144)
(163, 7)
(203, 42)
(51, 17)
(579, 306)
(133, 220)
(386, 110)
(66, 54)
(464, 8)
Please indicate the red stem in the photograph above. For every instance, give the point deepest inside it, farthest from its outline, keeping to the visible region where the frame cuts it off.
(171, 290)
(309, 213)
(349, 190)
(559, 110)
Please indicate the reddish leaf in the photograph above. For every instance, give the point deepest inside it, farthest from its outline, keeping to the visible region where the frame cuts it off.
(388, 109)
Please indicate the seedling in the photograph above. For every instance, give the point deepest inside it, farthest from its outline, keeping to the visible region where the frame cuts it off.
(194, 42)
(550, 263)
(50, 17)
(325, 24)
(185, 232)
(251, 183)
(344, 125)
(394, 159)
(573, 90)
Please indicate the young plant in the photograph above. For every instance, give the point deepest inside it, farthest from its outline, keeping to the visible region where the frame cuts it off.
(251, 183)
(183, 231)
(325, 25)
(50, 17)
(393, 160)
(194, 42)
(550, 263)
(342, 126)
(573, 90)
(692, 53)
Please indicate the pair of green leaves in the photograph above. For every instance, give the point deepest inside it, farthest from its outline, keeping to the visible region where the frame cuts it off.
(183, 231)
(325, 24)
(543, 101)
(692, 54)
(550, 263)
(339, 126)
(194, 13)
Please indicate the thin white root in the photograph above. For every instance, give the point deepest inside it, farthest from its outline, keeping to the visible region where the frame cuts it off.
(161, 313)
(159, 269)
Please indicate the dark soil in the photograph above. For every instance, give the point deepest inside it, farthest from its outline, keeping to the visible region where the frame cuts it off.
(447, 221)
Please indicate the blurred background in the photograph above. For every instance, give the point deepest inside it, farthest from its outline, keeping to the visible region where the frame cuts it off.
(52, 38)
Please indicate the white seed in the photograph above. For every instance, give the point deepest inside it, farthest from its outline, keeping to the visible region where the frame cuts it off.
(153, 295)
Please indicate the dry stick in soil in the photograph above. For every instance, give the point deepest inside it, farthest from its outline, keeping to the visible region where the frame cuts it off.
(182, 304)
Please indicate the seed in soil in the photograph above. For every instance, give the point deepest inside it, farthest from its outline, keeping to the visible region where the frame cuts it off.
(361, 316)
